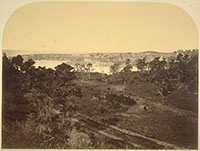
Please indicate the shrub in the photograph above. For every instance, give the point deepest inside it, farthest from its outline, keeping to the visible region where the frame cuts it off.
(113, 98)
(79, 140)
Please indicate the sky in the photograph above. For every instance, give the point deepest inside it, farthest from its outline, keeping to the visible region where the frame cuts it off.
(88, 27)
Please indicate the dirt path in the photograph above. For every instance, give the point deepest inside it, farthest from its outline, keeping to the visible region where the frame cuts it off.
(137, 141)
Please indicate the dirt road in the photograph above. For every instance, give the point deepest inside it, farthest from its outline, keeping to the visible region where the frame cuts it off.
(122, 136)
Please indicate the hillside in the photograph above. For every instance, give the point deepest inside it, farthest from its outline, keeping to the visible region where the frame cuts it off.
(101, 57)
(63, 108)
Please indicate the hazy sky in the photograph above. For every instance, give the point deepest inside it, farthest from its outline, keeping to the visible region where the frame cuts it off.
(50, 27)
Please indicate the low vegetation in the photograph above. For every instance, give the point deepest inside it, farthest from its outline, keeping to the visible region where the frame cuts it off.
(69, 107)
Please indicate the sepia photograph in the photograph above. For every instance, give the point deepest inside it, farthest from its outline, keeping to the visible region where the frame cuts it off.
(99, 75)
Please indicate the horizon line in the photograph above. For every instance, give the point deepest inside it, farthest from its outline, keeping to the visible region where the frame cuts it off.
(23, 52)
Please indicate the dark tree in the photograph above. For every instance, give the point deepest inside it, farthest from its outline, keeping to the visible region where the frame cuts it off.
(141, 64)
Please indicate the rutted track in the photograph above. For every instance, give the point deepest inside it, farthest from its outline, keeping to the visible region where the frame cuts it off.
(122, 136)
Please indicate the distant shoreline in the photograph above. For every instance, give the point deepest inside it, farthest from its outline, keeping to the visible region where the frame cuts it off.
(23, 52)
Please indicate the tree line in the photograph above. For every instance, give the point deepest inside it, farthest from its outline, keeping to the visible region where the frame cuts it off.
(174, 73)
(36, 103)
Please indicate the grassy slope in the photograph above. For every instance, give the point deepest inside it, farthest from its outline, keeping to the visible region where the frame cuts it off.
(160, 121)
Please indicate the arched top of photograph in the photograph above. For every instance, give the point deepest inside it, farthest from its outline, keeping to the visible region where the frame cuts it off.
(100, 75)
(90, 27)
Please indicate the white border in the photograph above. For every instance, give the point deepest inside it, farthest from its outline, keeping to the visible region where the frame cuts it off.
(8, 7)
